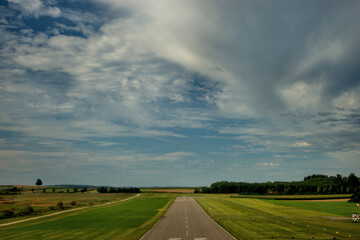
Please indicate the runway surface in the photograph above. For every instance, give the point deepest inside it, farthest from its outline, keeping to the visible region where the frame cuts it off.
(186, 220)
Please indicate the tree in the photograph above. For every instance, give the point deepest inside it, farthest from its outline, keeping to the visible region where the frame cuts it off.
(353, 181)
(60, 205)
(39, 182)
(102, 190)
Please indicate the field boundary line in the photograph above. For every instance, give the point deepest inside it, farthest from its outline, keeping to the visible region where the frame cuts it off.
(213, 219)
(66, 211)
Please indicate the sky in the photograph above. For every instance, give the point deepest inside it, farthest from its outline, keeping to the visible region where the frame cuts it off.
(178, 93)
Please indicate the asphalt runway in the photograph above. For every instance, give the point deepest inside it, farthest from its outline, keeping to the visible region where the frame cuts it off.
(185, 220)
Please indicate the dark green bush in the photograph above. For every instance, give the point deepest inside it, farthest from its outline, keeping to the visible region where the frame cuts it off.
(60, 205)
(26, 211)
(7, 214)
(355, 197)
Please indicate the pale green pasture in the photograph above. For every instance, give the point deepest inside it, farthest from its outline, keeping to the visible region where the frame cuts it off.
(126, 220)
(258, 219)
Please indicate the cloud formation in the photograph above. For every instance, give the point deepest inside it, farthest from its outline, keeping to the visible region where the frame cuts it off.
(35, 8)
(175, 80)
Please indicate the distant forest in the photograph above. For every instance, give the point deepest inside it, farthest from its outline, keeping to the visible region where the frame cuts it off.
(314, 184)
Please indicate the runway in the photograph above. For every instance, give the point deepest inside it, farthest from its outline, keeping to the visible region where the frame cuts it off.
(186, 220)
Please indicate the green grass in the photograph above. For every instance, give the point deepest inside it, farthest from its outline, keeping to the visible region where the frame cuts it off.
(41, 201)
(247, 218)
(295, 197)
(339, 208)
(126, 220)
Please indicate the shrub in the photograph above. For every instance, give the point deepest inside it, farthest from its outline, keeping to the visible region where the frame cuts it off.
(73, 203)
(26, 211)
(102, 189)
(60, 205)
(7, 214)
(355, 197)
(52, 208)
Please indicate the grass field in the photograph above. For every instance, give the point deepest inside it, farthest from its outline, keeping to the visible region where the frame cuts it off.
(244, 218)
(296, 197)
(125, 220)
(344, 209)
(168, 190)
(247, 218)
(42, 201)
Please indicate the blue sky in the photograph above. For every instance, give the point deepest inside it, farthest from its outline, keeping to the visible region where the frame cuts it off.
(178, 93)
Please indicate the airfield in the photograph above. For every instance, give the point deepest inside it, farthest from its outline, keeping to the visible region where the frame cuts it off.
(177, 215)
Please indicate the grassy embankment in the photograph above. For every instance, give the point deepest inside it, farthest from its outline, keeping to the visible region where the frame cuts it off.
(126, 220)
(248, 218)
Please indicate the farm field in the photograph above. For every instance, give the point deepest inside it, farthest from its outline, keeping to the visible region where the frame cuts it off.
(125, 220)
(344, 209)
(249, 218)
(42, 202)
(168, 190)
(296, 197)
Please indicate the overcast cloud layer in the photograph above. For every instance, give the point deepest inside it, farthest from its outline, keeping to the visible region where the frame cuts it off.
(182, 93)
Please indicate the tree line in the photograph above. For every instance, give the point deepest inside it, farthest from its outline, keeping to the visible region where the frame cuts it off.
(118, 190)
(313, 184)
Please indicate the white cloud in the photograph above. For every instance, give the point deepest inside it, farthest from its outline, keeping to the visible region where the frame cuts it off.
(303, 97)
(349, 100)
(347, 159)
(167, 157)
(36, 8)
(302, 144)
(269, 164)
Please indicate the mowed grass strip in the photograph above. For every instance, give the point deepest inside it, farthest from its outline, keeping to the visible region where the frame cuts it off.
(296, 197)
(259, 219)
(344, 209)
(126, 220)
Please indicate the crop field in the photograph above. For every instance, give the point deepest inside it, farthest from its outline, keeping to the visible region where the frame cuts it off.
(247, 218)
(41, 202)
(125, 220)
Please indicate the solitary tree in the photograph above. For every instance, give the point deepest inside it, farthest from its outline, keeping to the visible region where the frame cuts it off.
(39, 182)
